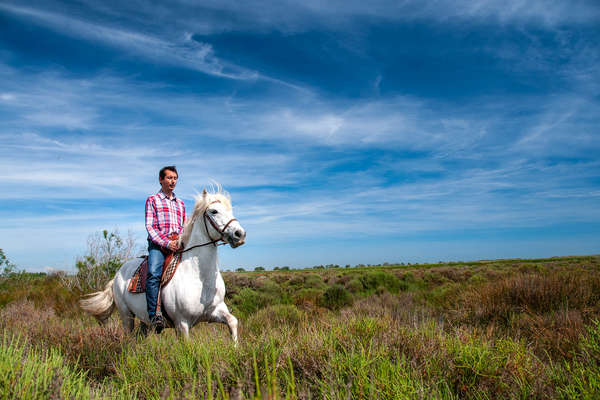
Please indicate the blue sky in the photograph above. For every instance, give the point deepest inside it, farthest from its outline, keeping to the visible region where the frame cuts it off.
(346, 132)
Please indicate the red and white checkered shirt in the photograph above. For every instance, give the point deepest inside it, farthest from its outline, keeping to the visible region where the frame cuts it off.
(163, 217)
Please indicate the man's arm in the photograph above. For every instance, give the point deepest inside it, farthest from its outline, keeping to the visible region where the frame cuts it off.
(156, 236)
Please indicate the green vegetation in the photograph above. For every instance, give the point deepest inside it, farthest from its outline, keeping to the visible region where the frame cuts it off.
(33, 374)
(503, 329)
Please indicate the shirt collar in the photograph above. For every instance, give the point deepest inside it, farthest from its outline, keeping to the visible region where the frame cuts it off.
(162, 195)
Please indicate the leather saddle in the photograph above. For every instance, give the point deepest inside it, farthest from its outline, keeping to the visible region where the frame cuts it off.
(137, 284)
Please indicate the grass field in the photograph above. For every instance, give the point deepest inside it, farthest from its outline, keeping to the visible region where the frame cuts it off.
(505, 329)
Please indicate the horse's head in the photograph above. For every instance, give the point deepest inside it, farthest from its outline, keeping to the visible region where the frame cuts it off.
(212, 216)
(220, 222)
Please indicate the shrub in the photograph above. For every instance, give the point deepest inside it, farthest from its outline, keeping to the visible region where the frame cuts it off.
(532, 293)
(259, 269)
(374, 279)
(266, 293)
(307, 295)
(248, 301)
(354, 285)
(314, 281)
(335, 298)
(106, 252)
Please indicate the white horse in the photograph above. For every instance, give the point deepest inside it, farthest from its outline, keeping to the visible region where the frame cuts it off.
(196, 292)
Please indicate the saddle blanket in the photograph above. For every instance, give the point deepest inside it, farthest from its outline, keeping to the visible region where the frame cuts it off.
(137, 284)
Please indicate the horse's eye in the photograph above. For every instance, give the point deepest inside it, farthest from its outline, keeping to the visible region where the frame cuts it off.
(214, 212)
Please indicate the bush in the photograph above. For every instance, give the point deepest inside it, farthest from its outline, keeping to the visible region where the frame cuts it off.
(106, 252)
(267, 293)
(248, 301)
(307, 295)
(335, 298)
(531, 293)
(7, 268)
(373, 280)
(314, 281)
(354, 285)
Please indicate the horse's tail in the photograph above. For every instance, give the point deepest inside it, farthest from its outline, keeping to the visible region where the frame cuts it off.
(100, 304)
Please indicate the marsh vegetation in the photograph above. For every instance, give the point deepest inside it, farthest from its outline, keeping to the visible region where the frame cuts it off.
(496, 329)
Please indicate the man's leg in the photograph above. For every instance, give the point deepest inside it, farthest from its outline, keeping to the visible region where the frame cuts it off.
(155, 264)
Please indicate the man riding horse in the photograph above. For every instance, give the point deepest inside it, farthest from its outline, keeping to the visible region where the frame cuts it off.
(165, 216)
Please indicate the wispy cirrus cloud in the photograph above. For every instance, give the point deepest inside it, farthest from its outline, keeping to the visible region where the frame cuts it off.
(291, 16)
(179, 51)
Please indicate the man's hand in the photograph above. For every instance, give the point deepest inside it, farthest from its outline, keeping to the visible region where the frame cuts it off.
(172, 245)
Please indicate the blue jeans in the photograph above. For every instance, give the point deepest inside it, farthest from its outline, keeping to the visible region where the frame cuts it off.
(156, 259)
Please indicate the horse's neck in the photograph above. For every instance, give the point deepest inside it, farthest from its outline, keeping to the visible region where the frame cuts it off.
(202, 258)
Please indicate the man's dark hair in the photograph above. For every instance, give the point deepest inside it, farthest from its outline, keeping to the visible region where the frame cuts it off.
(162, 173)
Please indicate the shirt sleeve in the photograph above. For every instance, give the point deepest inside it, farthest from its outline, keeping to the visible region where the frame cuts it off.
(155, 235)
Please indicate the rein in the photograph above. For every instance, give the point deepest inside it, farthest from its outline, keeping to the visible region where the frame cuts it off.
(214, 242)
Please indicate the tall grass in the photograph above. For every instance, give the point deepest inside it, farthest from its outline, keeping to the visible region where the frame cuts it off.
(28, 373)
(478, 331)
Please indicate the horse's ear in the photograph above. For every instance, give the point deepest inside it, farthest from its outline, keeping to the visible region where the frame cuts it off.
(204, 193)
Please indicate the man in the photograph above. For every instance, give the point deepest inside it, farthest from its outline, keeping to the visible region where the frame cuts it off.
(165, 215)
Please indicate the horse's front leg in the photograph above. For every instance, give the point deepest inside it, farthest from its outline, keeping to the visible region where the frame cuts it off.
(183, 329)
(222, 314)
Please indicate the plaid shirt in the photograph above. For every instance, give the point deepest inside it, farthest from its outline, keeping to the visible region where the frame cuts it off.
(163, 217)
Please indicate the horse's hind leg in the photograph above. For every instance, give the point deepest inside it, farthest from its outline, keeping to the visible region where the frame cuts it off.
(127, 318)
(128, 321)
(222, 314)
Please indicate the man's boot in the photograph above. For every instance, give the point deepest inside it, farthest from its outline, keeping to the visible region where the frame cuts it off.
(157, 324)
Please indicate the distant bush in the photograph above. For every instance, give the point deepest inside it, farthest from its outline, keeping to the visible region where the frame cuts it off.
(240, 270)
(265, 293)
(106, 252)
(335, 298)
(532, 293)
(307, 295)
(314, 281)
(259, 269)
(374, 279)
(248, 301)
(354, 285)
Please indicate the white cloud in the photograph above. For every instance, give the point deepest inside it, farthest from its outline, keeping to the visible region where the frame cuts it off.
(186, 52)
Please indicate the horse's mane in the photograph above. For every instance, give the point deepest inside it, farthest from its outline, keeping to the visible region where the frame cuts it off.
(203, 200)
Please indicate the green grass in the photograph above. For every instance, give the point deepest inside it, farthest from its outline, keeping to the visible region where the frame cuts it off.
(508, 329)
(29, 373)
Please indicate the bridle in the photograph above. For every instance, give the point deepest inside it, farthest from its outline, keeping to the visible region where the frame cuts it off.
(214, 242)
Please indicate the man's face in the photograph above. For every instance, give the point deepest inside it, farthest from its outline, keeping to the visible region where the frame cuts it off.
(169, 181)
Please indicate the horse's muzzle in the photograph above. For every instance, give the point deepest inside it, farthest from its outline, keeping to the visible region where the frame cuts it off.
(236, 238)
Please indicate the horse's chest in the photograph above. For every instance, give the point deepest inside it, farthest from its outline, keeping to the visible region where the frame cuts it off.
(193, 297)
